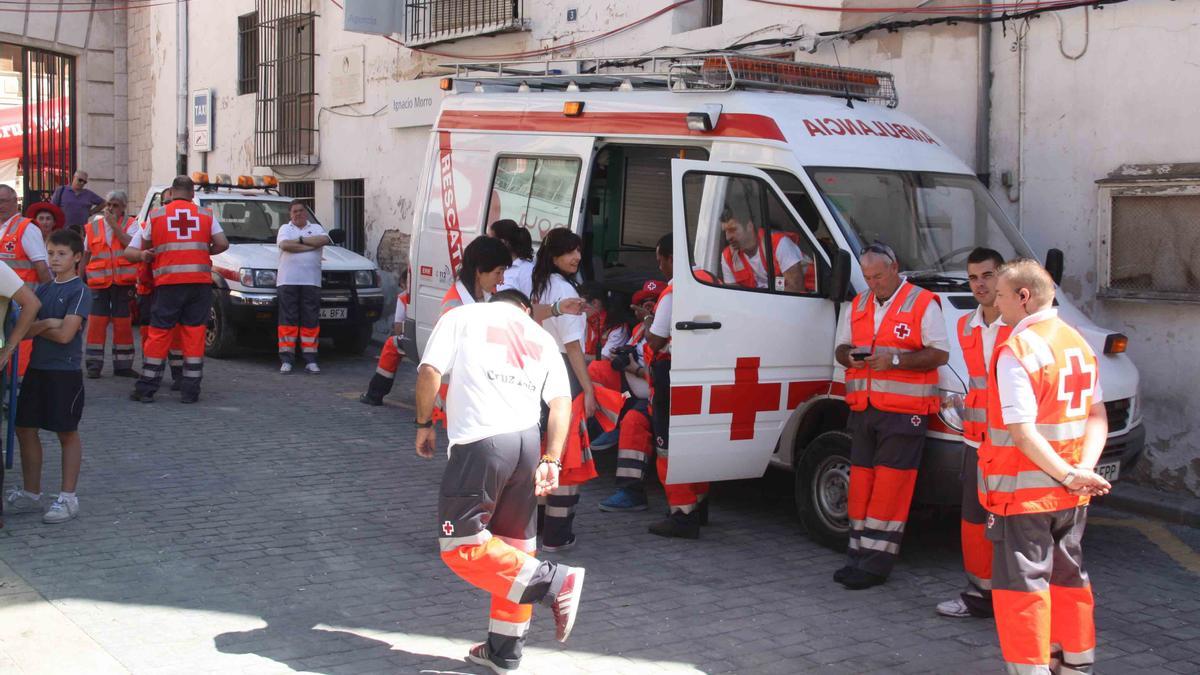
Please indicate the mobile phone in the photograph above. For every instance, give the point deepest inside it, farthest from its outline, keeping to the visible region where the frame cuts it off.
(859, 356)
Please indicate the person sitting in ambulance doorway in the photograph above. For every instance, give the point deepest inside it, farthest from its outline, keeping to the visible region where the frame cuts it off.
(742, 261)
(892, 342)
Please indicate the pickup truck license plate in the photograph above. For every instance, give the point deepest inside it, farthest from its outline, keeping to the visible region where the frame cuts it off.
(1110, 471)
(340, 313)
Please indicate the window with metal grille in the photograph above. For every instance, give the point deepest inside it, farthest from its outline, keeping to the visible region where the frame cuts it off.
(248, 53)
(285, 119)
(430, 21)
(304, 190)
(349, 212)
(1149, 248)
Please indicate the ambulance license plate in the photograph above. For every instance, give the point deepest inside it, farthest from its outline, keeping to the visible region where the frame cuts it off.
(341, 312)
(1110, 471)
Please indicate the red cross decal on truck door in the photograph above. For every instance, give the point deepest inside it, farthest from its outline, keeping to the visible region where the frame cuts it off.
(745, 398)
(183, 224)
(512, 338)
(902, 331)
(1076, 382)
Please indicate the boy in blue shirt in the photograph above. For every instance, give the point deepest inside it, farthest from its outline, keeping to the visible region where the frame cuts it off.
(51, 395)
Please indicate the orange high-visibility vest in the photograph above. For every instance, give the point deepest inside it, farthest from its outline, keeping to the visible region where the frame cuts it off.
(453, 298)
(12, 251)
(106, 264)
(180, 234)
(893, 390)
(1063, 371)
(975, 405)
(743, 273)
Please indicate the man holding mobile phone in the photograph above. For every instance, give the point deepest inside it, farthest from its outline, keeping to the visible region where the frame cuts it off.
(891, 342)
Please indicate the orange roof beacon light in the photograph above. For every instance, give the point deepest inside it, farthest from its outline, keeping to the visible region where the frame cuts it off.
(199, 177)
(270, 181)
(573, 108)
(245, 181)
(446, 84)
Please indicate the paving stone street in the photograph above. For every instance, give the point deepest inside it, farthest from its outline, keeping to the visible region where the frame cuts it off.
(282, 526)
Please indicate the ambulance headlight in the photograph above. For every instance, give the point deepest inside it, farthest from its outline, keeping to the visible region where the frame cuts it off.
(951, 412)
(257, 278)
(365, 279)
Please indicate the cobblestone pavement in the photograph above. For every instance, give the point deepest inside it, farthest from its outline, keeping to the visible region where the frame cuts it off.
(280, 525)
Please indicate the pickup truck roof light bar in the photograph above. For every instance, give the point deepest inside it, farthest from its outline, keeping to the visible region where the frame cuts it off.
(682, 73)
(265, 183)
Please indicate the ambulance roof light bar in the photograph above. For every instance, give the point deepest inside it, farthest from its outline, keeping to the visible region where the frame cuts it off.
(203, 182)
(702, 72)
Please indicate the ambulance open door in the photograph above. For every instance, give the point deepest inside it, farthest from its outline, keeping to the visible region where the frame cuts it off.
(743, 357)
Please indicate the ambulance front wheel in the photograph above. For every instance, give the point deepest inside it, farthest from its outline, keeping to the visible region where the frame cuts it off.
(220, 336)
(823, 488)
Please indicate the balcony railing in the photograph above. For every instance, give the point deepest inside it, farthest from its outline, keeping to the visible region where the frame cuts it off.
(431, 21)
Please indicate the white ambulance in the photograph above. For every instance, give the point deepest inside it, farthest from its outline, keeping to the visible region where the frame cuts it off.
(626, 150)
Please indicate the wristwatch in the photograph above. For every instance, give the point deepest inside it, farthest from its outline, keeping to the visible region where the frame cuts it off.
(423, 425)
(896, 360)
(300, 240)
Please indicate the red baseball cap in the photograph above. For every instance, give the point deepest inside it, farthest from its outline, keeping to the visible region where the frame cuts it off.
(650, 291)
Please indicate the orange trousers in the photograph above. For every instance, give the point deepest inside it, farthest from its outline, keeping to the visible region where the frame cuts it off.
(976, 549)
(385, 371)
(1042, 596)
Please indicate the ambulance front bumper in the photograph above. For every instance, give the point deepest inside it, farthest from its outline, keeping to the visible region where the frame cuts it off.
(939, 482)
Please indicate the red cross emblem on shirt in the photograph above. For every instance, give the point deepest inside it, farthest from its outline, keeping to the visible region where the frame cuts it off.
(183, 224)
(745, 398)
(512, 338)
(10, 246)
(1076, 382)
(902, 331)
(448, 528)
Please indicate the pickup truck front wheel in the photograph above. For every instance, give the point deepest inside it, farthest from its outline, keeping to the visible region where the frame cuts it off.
(220, 336)
(352, 341)
(823, 489)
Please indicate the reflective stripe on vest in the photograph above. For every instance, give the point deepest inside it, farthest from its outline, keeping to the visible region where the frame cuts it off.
(181, 234)
(743, 271)
(1011, 483)
(974, 415)
(106, 264)
(892, 390)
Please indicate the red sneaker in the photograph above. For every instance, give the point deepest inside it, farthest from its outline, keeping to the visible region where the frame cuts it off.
(566, 604)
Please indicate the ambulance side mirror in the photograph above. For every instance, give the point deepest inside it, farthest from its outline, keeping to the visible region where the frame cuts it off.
(337, 236)
(1054, 264)
(839, 279)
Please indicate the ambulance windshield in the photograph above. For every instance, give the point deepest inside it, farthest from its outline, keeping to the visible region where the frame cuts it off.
(931, 220)
(252, 220)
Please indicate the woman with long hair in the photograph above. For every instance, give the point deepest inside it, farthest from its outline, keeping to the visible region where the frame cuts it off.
(553, 283)
(520, 245)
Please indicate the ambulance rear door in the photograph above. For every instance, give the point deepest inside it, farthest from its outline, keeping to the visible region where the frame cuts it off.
(743, 358)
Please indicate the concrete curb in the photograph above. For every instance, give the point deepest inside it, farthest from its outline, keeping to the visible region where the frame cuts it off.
(1167, 506)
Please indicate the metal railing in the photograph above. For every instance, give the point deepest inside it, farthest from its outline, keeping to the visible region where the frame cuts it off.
(430, 21)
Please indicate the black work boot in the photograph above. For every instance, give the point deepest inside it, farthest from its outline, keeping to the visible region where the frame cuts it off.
(678, 524)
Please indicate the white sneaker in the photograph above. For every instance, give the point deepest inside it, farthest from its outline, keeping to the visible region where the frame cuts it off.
(312, 369)
(61, 511)
(955, 608)
(285, 368)
(19, 501)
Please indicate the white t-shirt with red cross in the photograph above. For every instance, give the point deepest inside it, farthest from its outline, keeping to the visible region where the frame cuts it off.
(501, 364)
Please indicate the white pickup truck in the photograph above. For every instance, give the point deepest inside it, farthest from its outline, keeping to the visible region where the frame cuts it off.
(244, 298)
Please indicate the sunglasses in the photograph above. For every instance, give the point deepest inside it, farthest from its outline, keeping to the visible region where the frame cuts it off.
(880, 249)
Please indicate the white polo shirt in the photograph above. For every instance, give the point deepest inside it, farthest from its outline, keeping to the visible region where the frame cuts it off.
(502, 366)
(519, 276)
(789, 257)
(299, 269)
(567, 328)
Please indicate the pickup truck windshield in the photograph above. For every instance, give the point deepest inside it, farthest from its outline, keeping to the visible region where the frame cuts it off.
(931, 220)
(249, 220)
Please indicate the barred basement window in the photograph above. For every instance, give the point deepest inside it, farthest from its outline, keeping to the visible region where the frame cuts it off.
(1149, 233)
(304, 190)
(430, 21)
(248, 53)
(349, 212)
(285, 132)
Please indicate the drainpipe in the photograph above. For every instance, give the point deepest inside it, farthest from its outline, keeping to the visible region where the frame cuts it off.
(983, 105)
(181, 76)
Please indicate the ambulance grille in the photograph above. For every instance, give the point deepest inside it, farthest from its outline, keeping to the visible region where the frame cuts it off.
(1118, 414)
